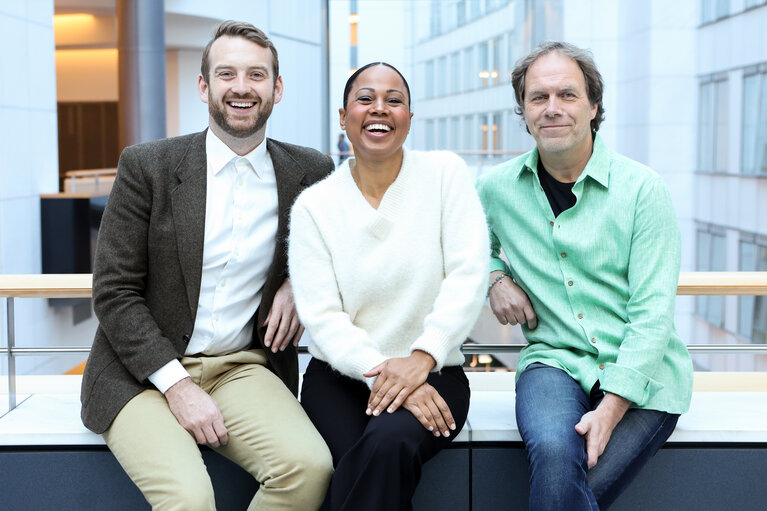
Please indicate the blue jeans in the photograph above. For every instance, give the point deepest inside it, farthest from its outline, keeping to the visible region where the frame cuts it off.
(549, 405)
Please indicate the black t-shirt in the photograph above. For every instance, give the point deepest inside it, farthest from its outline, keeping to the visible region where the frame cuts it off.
(560, 195)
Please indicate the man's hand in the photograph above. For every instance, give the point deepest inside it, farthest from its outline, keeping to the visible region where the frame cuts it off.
(282, 325)
(197, 413)
(396, 379)
(430, 409)
(597, 426)
(510, 303)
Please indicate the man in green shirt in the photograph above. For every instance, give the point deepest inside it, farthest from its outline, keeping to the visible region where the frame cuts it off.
(593, 255)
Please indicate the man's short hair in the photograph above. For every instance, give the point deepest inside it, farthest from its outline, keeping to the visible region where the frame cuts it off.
(246, 31)
(584, 59)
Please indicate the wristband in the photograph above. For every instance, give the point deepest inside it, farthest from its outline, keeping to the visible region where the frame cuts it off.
(495, 281)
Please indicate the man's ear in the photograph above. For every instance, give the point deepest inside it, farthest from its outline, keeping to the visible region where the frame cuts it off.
(278, 89)
(202, 88)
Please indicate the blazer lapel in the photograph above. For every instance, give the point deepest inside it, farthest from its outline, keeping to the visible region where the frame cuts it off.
(188, 202)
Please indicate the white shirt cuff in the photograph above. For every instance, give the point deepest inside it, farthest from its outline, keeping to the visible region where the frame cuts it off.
(168, 375)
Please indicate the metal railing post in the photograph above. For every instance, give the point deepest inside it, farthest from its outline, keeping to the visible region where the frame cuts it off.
(11, 357)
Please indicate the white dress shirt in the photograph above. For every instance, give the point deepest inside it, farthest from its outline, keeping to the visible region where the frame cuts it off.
(240, 232)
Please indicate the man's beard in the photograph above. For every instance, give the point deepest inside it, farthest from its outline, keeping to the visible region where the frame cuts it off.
(218, 112)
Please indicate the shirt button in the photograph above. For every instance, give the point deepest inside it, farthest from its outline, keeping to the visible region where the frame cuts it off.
(563, 254)
(601, 366)
(551, 224)
(569, 282)
(580, 316)
(593, 340)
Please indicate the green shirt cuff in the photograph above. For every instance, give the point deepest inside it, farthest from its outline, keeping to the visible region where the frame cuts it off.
(499, 264)
(629, 383)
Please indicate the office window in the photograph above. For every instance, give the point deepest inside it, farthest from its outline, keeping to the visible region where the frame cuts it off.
(475, 9)
(429, 138)
(460, 12)
(495, 71)
(754, 134)
(468, 134)
(754, 3)
(429, 79)
(442, 133)
(454, 87)
(484, 64)
(509, 55)
(711, 257)
(497, 132)
(455, 134)
(435, 17)
(484, 126)
(468, 69)
(442, 77)
(712, 129)
(752, 310)
(712, 10)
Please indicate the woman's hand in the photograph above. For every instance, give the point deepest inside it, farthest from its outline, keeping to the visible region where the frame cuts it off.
(430, 409)
(396, 379)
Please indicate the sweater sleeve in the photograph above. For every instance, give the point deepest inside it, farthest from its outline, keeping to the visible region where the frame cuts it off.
(465, 252)
(335, 339)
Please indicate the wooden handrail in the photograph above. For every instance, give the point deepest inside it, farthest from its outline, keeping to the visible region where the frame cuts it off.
(79, 285)
(91, 172)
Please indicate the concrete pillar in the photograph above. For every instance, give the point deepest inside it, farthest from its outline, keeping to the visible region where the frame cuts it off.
(141, 47)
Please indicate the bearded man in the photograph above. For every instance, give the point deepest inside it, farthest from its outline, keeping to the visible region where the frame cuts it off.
(197, 326)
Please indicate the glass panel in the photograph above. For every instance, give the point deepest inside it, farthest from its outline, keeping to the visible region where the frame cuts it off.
(761, 144)
(484, 64)
(484, 132)
(468, 134)
(715, 305)
(497, 138)
(721, 126)
(750, 122)
(429, 79)
(760, 304)
(706, 127)
(468, 69)
(495, 73)
(442, 78)
(746, 303)
(702, 264)
(442, 133)
(455, 75)
(429, 134)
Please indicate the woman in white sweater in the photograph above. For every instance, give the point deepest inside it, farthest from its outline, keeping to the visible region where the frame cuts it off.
(388, 262)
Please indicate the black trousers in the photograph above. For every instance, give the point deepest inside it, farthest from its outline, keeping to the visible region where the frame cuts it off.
(377, 460)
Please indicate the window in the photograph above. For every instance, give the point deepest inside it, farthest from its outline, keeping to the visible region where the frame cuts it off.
(484, 122)
(497, 132)
(509, 55)
(468, 133)
(712, 10)
(713, 133)
(752, 310)
(441, 77)
(468, 69)
(711, 257)
(455, 66)
(754, 134)
(495, 73)
(455, 133)
(429, 79)
(484, 64)
(429, 135)
(442, 133)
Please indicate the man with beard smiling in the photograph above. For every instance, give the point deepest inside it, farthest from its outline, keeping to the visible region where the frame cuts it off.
(197, 326)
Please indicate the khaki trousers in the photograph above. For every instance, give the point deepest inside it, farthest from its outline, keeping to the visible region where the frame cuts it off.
(270, 436)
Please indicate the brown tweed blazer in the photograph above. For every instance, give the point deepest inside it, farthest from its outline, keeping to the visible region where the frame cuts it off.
(148, 266)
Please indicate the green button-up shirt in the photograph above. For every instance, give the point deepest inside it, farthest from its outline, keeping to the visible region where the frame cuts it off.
(602, 276)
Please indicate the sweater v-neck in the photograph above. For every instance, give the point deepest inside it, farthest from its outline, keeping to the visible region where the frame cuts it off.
(383, 217)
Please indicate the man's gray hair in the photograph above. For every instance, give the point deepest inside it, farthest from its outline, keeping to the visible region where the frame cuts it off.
(585, 60)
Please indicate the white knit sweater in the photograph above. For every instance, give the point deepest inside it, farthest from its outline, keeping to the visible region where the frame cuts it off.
(372, 284)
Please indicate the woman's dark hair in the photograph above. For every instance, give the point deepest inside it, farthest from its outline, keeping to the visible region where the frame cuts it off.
(353, 77)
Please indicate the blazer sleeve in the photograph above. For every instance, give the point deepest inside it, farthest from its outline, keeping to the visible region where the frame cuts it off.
(120, 272)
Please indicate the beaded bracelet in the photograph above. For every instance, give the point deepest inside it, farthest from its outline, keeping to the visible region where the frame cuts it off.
(495, 281)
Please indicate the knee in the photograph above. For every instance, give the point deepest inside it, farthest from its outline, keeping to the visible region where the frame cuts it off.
(185, 495)
(309, 465)
(556, 451)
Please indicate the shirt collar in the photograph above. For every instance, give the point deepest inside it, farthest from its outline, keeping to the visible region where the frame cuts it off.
(219, 154)
(597, 168)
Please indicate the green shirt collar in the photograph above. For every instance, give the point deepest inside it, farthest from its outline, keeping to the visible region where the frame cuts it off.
(598, 167)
